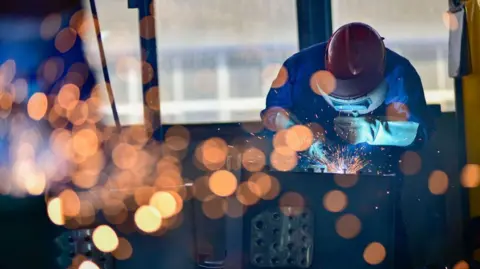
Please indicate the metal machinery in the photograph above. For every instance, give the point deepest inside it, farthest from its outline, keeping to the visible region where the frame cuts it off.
(305, 234)
(297, 235)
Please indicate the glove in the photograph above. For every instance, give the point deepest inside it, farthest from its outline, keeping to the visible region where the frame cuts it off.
(285, 120)
(316, 150)
(375, 131)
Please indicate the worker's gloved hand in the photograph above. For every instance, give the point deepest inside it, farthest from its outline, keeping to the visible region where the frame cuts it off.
(317, 150)
(356, 130)
(285, 120)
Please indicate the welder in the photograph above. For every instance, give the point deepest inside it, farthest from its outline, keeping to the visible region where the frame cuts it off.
(365, 97)
(376, 101)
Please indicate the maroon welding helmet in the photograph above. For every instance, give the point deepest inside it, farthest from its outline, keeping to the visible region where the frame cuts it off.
(355, 56)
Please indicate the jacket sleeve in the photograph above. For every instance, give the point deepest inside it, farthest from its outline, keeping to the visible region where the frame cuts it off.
(408, 101)
(279, 97)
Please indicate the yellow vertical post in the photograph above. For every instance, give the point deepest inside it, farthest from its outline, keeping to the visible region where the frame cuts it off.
(471, 104)
(471, 99)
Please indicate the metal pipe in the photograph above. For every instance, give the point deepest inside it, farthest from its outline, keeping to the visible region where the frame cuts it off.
(103, 59)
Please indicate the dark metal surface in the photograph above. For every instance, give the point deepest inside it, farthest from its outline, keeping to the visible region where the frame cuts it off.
(371, 200)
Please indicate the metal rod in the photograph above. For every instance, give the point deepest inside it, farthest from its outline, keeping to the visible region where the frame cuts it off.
(103, 60)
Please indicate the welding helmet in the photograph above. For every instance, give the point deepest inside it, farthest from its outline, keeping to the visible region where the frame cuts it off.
(355, 56)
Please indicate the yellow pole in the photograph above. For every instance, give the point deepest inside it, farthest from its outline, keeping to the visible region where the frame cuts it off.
(471, 99)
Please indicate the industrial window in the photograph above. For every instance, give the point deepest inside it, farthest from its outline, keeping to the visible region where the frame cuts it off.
(414, 29)
(217, 59)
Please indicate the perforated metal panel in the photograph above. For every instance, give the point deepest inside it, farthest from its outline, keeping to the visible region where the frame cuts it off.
(79, 243)
(280, 239)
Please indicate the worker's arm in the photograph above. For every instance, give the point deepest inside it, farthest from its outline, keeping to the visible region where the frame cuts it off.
(407, 123)
(277, 114)
(408, 119)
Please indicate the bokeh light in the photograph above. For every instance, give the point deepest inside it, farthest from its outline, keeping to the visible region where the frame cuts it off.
(299, 138)
(124, 250)
(438, 182)
(88, 265)
(85, 142)
(461, 265)
(201, 189)
(280, 143)
(85, 178)
(269, 118)
(292, 204)
(77, 75)
(323, 82)
(79, 114)
(348, 226)
(87, 213)
(470, 177)
(260, 184)
(374, 253)
(147, 76)
(21, 90)
(222, 183)
(77, 19)
(283, 162)
(7, 72)
(148, 219)
(146, 29)
(68, 96)
(52, 69)
(6, 102)
(450, 21)
(50, 26)
(165, 203)
(252, 127)
(214, 207)
(143, 194)
(65, 39)
(213, 153)
(55, 211)
(274, 189)
(281, 77)
(152, 97)
(335, 201)
(245, 195)
(177, 137)
(70, 203)
(253, 159)
(410, 163)
(35, 183)
(345, 181)
(114, 210)
(105, 238)
(124, 156)
(37, 106)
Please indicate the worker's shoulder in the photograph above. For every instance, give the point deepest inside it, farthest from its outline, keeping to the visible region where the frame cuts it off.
(313, 52)
(395, 60)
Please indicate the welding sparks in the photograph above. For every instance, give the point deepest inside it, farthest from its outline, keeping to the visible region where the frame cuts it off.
(339, 159)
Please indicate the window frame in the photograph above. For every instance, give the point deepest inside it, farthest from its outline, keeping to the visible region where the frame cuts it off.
(312, 29)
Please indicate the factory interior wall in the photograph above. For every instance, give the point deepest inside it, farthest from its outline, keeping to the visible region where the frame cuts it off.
(434, 222)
